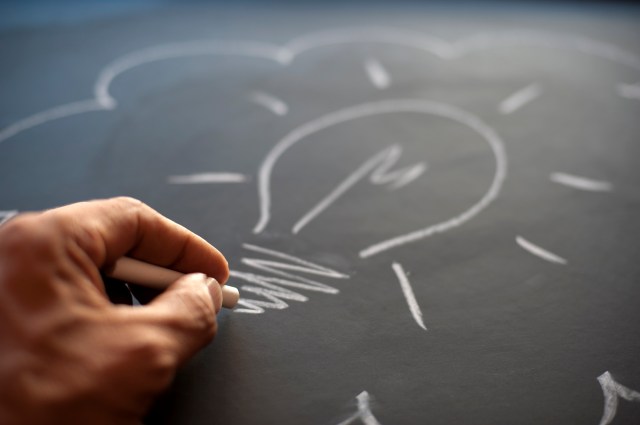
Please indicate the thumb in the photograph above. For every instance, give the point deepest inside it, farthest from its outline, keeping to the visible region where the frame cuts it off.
(186, 314)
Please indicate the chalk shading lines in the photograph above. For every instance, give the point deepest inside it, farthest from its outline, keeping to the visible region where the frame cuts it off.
(612, 392)
(285, 54)
(271, 277)
(539, 251)
(378, 168)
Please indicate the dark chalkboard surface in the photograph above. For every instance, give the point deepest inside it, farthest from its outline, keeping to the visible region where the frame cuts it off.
(433, 214)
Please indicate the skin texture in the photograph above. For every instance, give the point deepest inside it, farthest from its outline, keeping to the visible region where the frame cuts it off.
(70, 356)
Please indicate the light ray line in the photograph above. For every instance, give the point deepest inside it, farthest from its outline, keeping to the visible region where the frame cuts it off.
(203, 178)
(520, 98)
(272, 103)
(581, 183)
(539, 252)
(407, 290)
(378, 75)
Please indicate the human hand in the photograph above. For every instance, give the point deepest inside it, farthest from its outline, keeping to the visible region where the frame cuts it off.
(67, 354)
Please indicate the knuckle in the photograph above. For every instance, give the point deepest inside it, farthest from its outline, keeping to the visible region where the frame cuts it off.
(25, 235)
(201, 316)
(131, 205)
(156, 354)
(129, 202)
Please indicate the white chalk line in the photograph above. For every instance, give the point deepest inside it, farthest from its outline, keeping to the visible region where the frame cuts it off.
(51, 114)
(520, 98)
(284, 55)
(497, 148)
(324, 271)
(284, 274)
(207, 178)
(364, 413)
(409, 296)
(378, 166)
(547, 40)
(386, 107)
(374, 35)
(178, 50)
(612, 391)
(6, 215)
(377, 74)
(539, 252)
(581, 183)
(383, 175)
(629, 91)
(272, 103)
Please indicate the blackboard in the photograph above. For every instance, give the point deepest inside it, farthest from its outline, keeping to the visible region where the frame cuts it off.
(432, 213)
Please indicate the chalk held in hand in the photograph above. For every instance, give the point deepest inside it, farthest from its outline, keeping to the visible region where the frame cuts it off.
(156, 277)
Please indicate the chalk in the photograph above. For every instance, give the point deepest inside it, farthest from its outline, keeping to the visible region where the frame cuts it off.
(156, 277)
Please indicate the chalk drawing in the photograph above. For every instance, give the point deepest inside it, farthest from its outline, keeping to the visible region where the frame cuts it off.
(364, 413)
(382, 175)
(539, 252)
(407, 290)
(377, 74)
(629, 91)
(378, 108)
(378, 166)
(272, 287)
(547, 40)
(520, 98)
(272, 103)
(581, 183)
(6, 215)
(51, 114)
(611, 391)
(202, 178)
(284, 55)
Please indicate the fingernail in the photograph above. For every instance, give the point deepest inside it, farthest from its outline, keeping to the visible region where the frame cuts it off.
(200, 277)
(215, 291)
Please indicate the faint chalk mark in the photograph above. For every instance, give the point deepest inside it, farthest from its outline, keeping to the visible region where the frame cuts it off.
(612, 391)
(364, 412)
(378, 75)
(272, 103)
(629, 91)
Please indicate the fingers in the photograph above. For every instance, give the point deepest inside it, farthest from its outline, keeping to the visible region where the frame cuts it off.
(109, 229)
(185, 314)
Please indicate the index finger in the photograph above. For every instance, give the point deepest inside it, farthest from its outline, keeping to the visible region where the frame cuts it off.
(109, 229)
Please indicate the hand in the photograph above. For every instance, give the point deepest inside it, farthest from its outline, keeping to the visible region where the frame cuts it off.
(67, 354)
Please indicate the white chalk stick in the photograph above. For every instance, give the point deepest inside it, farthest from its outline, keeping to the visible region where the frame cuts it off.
(156, 277)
